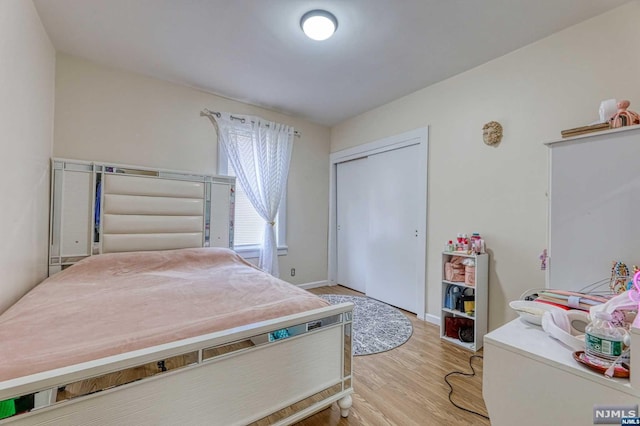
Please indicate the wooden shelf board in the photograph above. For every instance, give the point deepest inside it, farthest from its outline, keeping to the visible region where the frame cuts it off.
(458, 313)
(458, 283)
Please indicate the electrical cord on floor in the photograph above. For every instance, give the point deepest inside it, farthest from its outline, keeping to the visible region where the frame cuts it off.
(460, 373)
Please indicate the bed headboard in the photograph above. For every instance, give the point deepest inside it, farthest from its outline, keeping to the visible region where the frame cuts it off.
(106, 208)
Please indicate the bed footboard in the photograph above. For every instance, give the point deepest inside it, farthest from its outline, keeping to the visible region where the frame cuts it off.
(274, 372)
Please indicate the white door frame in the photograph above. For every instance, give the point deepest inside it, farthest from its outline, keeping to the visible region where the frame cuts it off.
(382, 145)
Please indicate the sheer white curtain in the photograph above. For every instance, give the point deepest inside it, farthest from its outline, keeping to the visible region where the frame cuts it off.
(260, 153)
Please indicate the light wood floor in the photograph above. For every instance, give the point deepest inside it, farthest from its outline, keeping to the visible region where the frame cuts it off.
(405, 386)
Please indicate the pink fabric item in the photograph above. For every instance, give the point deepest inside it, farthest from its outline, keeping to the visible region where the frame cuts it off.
(470, 275)
(454, 272)
(115, 303)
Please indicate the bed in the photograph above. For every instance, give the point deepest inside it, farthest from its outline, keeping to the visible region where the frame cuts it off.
(184, 335)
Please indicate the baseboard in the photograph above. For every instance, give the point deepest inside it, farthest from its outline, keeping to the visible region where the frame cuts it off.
(432, 319)
(314, 284)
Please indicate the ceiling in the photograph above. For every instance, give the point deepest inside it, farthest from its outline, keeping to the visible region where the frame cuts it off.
(255, 52)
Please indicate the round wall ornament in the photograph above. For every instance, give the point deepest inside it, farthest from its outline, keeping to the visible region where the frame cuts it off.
(492, 133)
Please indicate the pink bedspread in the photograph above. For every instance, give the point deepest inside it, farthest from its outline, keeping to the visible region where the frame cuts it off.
(115, 303)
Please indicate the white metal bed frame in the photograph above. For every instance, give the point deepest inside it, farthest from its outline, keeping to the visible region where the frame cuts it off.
(143, 209)
(239, 376)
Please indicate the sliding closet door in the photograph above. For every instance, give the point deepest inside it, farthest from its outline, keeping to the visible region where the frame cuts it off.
(394, 215)
(353, 223)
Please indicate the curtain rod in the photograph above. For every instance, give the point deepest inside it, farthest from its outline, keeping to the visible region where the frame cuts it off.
(206, 113)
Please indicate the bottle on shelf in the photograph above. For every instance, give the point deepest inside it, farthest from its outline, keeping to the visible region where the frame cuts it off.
(477, 243)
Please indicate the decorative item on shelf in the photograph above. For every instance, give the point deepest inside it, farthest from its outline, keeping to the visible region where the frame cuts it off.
(462, 242)
(619, 277)
(607, 109)
(477, 243)
(624, 117)
(492, 133)
(543, 260)
(465, 244)
(576, 131)
(631, 284)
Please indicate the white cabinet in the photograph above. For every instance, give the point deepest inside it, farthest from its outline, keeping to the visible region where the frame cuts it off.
(453, 310)
(531, 377)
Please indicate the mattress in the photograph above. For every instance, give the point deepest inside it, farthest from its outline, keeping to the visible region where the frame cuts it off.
(114, 303)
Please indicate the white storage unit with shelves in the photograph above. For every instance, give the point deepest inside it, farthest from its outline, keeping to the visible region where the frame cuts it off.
(480, 290)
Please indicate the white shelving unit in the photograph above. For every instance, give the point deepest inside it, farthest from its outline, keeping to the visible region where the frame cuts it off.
(481, 293)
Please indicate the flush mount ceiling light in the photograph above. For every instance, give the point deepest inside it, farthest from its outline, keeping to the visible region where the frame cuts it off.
(318, 24)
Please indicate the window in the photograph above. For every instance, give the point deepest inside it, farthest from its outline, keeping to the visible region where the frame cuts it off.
(249, 226)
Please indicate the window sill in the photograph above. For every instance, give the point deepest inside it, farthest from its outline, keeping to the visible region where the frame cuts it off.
(253, 252)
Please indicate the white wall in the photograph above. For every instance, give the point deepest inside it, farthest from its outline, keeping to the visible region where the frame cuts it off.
(106, 114)
(26, 135)
(535, 92)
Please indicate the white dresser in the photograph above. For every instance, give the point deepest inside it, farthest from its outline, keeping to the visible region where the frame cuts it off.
(530, 378)
(594, 198)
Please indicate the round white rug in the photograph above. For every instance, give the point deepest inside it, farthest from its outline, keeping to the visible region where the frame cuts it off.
(377, 327)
